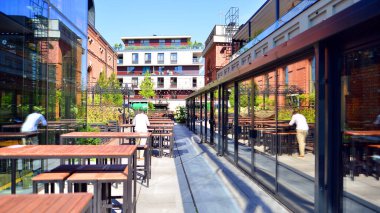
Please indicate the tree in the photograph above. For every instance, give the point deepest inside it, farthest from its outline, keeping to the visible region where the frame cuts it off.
(147, 87)
(116, 98)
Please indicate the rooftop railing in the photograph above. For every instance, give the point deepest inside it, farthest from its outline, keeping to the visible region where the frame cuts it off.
(186, 47)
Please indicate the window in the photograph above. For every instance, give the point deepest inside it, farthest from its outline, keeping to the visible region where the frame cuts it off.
(135, 58)
(173, 82)
(178, 69)
(146, 70)
(161, 42)
(135, 82)
(144, 42)
(176, 42)
(160, 58)
(161, 70)
(194, 82)
(120, 59)
(131, 42)
(173, 58)
(148, 58)
(130, 69)
(160, 82)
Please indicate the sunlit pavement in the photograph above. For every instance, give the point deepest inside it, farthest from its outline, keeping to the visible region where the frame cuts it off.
(196, 180)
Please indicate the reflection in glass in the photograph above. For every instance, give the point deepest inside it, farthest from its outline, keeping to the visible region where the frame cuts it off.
(207, 118)
(245, 113)
(295, 152)
(197, 115)
(264, 141)
(361, 130)
(229, 145)
(42, 66)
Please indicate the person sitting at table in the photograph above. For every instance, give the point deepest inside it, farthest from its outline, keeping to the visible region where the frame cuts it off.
(141, 123)
(31, 124)
(302, 129)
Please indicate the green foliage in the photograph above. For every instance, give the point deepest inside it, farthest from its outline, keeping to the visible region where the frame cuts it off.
(151, 106)
(286, 114)
(88, 141)
(307, 99)
(180, 114)
(264, 103)
(147, 87)
(102, 114)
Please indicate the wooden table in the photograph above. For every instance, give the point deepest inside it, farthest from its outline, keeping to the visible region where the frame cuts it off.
(16, 135)
(74, 151)
(363, 133)
(125, 135)
(78, 202)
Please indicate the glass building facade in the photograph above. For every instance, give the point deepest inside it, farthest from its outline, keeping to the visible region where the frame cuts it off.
(43, 65)
(334, 82)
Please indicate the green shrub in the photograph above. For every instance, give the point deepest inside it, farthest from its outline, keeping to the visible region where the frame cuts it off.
(88, 141)
(286, 114)
(180, 114)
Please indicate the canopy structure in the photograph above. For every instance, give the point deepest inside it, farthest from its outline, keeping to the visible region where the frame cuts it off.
(139, 106)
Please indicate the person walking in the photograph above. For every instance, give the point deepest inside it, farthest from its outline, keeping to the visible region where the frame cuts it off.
(141, 123)
(302, 130)
(31, 124)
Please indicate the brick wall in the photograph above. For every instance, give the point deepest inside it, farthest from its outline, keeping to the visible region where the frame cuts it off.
(100, 57)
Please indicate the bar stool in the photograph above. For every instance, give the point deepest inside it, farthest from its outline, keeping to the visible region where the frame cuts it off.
(146, 167)
(104, 181)
(50, 178)
(87, 178)
(167, 142)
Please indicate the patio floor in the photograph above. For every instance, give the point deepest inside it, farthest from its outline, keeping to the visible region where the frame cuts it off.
(196, 180)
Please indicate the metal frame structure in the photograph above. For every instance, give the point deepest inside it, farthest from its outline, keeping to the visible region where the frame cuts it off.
(330, 41)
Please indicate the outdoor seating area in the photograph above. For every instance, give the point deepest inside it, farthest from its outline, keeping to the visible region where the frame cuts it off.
(93, 168)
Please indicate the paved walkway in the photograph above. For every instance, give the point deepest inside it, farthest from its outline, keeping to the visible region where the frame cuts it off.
(196, 180)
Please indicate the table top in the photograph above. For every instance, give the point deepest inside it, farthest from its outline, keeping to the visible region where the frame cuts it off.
(278, 125)
(106, 135)
(17, 134)
(75, 202)
(66, 151)
(363, 133)
(15, 126)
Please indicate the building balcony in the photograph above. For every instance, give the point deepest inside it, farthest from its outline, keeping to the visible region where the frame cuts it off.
(187, 47)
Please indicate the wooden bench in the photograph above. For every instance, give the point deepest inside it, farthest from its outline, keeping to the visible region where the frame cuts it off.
(102, 186)
(50, 178)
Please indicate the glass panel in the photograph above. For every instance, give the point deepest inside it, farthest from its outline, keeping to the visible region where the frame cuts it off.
(216, 119)
(361, 130)
(229, 145)
(245, 114)
(296, 160)
(197, 115)
(42, 68)
(264, 132)
(207, 120)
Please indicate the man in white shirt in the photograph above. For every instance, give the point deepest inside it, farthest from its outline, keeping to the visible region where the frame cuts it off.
(141, 123)
(31, 124)
(302, 129)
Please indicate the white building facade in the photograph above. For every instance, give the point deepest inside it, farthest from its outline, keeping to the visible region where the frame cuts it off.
(174, 63)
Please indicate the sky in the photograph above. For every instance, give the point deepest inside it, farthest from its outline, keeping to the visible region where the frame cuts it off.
(120, 18)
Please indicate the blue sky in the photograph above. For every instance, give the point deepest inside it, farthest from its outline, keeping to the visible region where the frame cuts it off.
(118, 18)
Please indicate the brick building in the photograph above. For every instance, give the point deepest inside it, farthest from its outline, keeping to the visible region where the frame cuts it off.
(216, 53)
(101, 56)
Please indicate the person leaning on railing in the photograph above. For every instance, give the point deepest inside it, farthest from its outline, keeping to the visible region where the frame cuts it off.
(302, 130)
